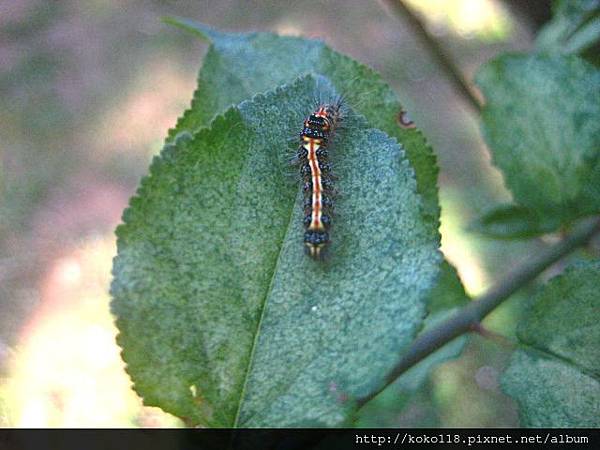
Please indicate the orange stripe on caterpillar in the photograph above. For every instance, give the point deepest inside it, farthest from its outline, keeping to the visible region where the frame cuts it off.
(315, 169)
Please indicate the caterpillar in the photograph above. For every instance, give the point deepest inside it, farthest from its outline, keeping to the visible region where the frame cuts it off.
(315, 170)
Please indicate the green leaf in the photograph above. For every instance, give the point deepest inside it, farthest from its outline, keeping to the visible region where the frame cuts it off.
(448, 292)
(447, 296)
(512, 222)
(223, 320)
(240, 65)
(541, 121)
(555, 374)
(575, 27)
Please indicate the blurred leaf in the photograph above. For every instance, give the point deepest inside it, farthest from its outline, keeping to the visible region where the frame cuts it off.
(447, 296)
(575, 27)
(448, 292)
(541, 121)
(512, 222)
(555, 374)
(223, 320)
(240, 65)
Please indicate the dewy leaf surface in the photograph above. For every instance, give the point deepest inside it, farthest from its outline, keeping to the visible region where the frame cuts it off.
(223, 319)
(240, 65)
(541, 121)
(555, 374)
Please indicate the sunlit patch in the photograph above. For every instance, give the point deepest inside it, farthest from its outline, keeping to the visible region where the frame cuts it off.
(67, 370)
(142, 116)
(458, 247)
(288, 29)
(484, 19)
(69, 271)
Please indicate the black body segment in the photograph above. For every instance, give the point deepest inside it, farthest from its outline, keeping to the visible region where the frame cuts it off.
(315, 171)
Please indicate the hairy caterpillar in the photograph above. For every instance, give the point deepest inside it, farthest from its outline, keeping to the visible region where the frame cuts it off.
(315, 170)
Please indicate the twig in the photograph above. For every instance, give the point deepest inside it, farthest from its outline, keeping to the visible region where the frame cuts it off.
(470, 316)
(451, 70)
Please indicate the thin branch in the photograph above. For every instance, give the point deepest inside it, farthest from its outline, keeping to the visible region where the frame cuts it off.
(472, 314)
(452, 71)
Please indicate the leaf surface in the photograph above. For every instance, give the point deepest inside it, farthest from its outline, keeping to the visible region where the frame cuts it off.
(447, 296)
(512, 222)
(224, 321)
(541, 121)
(555, 374)
(574, 28)
(240, 65)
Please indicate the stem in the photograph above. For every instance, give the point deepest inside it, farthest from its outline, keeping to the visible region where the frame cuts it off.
(452, 71)
(469, 316)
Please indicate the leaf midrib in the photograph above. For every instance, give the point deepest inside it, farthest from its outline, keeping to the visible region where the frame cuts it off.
(262, 313)
(547, 353)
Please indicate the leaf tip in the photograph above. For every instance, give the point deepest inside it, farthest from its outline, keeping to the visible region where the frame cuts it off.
(204, 32)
